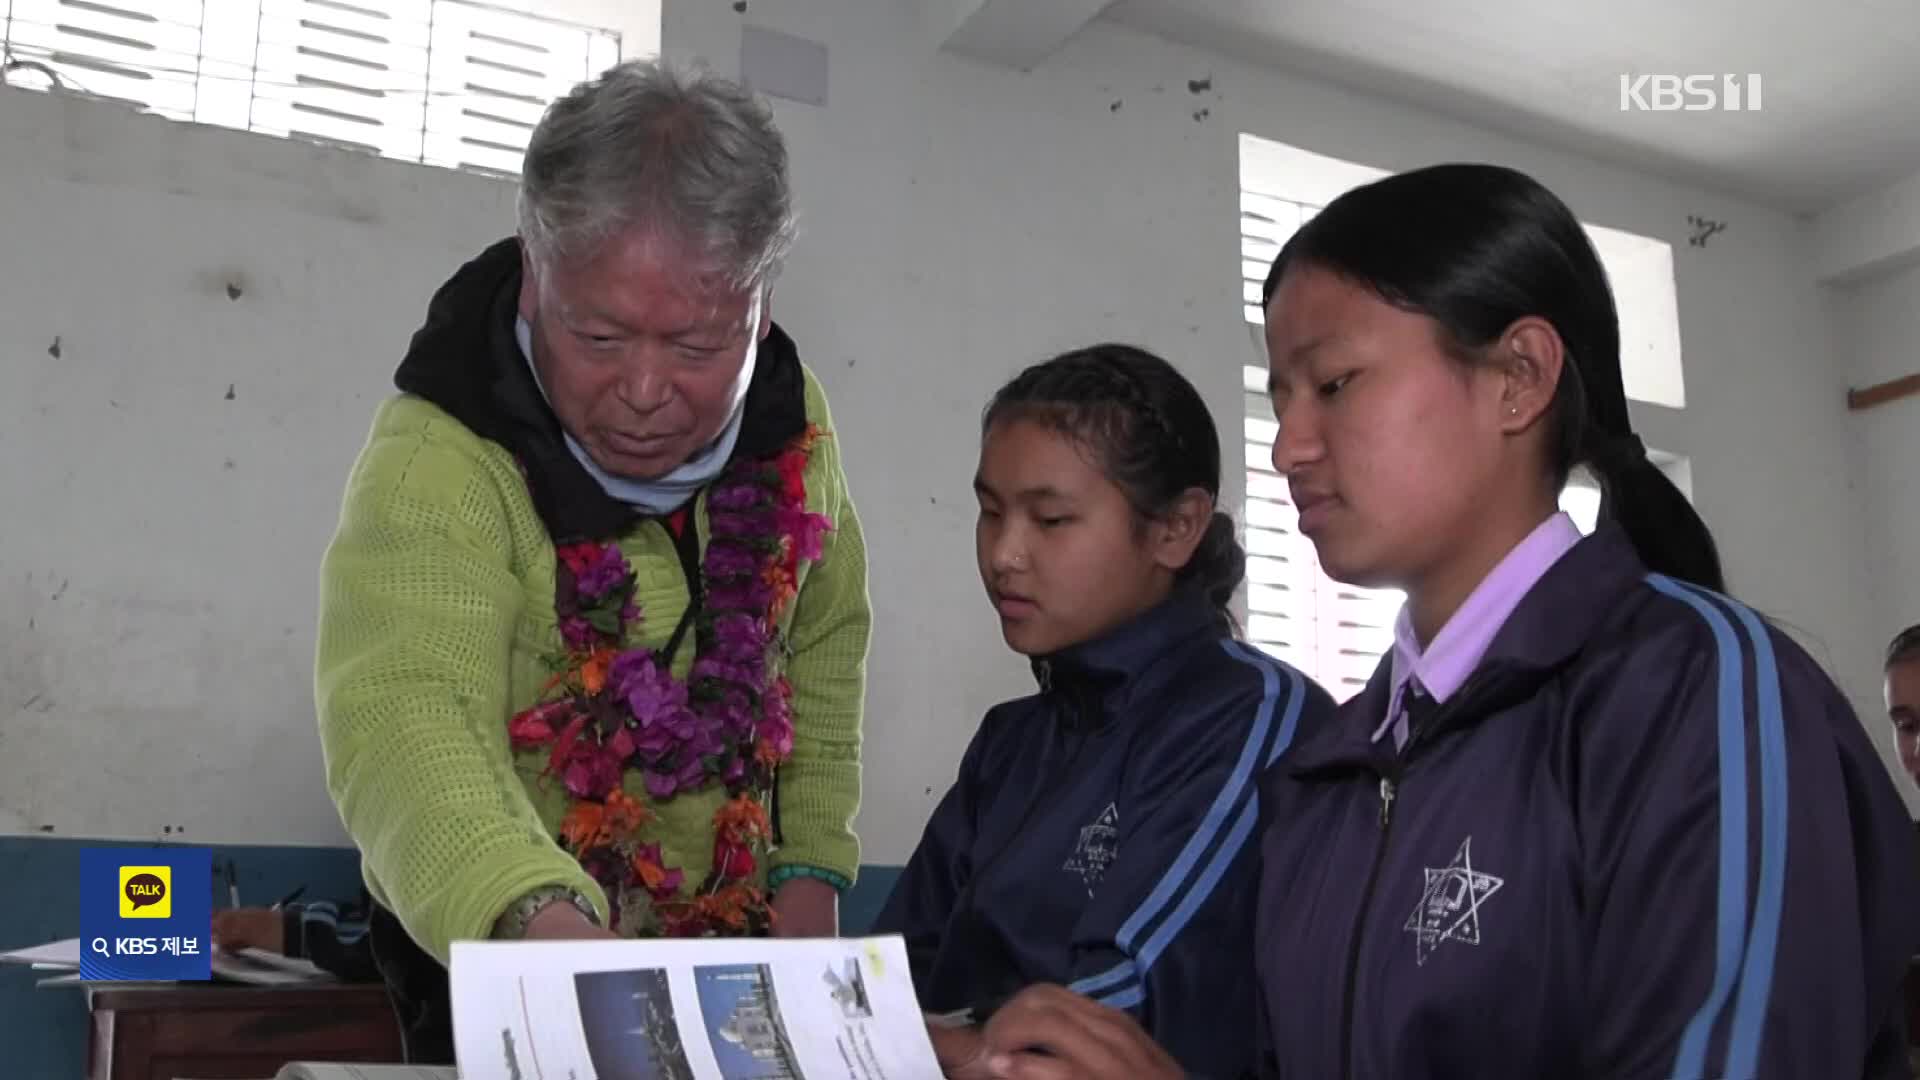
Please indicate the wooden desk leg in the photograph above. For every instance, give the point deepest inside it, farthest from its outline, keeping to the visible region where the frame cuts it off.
(133, 1047)
(100, 1046)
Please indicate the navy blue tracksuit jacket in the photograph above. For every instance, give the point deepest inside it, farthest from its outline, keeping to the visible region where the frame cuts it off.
(1103, 834)
(1647, 839)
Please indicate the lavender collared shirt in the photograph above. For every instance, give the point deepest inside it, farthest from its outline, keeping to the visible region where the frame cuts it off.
(1458, 648)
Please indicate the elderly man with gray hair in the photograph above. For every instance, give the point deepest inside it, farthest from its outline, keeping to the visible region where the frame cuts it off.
(594, 623)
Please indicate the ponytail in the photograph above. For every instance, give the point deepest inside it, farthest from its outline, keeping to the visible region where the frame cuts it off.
(1218, 565)
(1663, 526)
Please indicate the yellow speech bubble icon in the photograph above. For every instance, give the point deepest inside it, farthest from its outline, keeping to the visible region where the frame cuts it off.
(146, 892)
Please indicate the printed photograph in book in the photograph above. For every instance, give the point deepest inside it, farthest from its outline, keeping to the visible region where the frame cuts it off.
(628, 1020)
(744, 1026)
(848, 985)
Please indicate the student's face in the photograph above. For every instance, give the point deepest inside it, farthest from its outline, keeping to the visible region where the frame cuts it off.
(1387, 443)
(1903, 710)
(637, 357)
(1062, 554)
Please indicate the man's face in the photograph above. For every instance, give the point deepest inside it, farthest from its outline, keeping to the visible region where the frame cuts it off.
(1903, 711)
(638, 351)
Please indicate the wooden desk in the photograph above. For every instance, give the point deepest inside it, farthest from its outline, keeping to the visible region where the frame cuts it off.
(218, 1031)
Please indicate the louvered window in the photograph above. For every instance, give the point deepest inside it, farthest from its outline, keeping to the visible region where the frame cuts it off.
(443, 82)
(1336, 633)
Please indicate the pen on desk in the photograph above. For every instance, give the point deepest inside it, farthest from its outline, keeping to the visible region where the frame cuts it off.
(233, 889)
(289, 898)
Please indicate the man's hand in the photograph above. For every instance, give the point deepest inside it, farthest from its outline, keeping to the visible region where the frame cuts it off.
(560, 920)
(1051, 1033)
(806, 908)
(250, 928)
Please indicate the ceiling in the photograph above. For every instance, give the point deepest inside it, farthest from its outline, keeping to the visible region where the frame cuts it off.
(1840, 112)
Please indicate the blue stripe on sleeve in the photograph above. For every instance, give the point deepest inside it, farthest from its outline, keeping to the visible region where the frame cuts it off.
(1756, 978)
(1122, 986)
(1731, 918)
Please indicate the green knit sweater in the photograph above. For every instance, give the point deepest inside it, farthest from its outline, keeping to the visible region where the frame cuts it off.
(436, 610)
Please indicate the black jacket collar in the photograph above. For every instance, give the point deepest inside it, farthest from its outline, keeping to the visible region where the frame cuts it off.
(1551, 626)
(1101, 675)
(465, 360)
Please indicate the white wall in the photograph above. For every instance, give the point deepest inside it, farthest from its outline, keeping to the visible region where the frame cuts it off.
(1877, 322)
(961, 219)
(958, 221)
(158, 567)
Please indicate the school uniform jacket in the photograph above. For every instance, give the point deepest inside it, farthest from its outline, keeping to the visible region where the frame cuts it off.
(1648, 838)
(1103, 833)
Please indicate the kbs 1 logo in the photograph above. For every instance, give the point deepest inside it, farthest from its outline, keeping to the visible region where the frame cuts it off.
(146, 913)
(1689, 93)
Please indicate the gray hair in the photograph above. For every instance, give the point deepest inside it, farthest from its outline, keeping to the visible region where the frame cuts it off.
(695, 158)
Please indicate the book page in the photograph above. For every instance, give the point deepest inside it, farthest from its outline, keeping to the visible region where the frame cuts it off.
(712, 1009)
(316, 1070)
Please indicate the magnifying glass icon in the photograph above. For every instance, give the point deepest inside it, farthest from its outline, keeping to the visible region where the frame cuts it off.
(100, 946)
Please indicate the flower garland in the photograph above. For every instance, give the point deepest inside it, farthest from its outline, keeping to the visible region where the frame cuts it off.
(610, 709)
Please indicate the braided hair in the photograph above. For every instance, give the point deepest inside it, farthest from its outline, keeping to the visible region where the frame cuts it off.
(1151, 433)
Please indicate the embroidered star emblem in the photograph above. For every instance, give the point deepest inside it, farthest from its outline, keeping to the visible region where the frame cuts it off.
(1449, 908)
(1099, 842)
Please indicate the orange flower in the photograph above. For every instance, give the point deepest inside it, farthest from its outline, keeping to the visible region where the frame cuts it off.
(585, 826)
(742, 820)
(625, 814)
(593, 673)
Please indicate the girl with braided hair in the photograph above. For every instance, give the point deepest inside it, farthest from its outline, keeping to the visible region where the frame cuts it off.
(1101, 832)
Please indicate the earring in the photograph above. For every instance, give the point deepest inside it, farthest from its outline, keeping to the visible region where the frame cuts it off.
(1513, 410)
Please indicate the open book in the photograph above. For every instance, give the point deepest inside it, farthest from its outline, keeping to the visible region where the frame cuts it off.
(323, 1071)
(329, 1071)
(709, 1009)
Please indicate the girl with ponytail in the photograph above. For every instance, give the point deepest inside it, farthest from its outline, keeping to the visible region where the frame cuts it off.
(1590, 817)
(1100, 832)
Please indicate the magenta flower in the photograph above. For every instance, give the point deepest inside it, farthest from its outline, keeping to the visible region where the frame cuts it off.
(806, 530)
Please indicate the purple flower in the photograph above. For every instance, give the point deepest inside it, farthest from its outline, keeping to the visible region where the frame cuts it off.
(739, 638)
(649, 690)
(726, 560)
(732, 717)
(577, 633)
(750, 594)
(661, 785)
(713, 667)
(600, 576)
(654, 743)
(691, 772)
(751, 524)
(729, 497)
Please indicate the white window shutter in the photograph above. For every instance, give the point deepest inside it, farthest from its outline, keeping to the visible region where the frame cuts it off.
(139, 51)
(1334, 633)
(443, 82)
